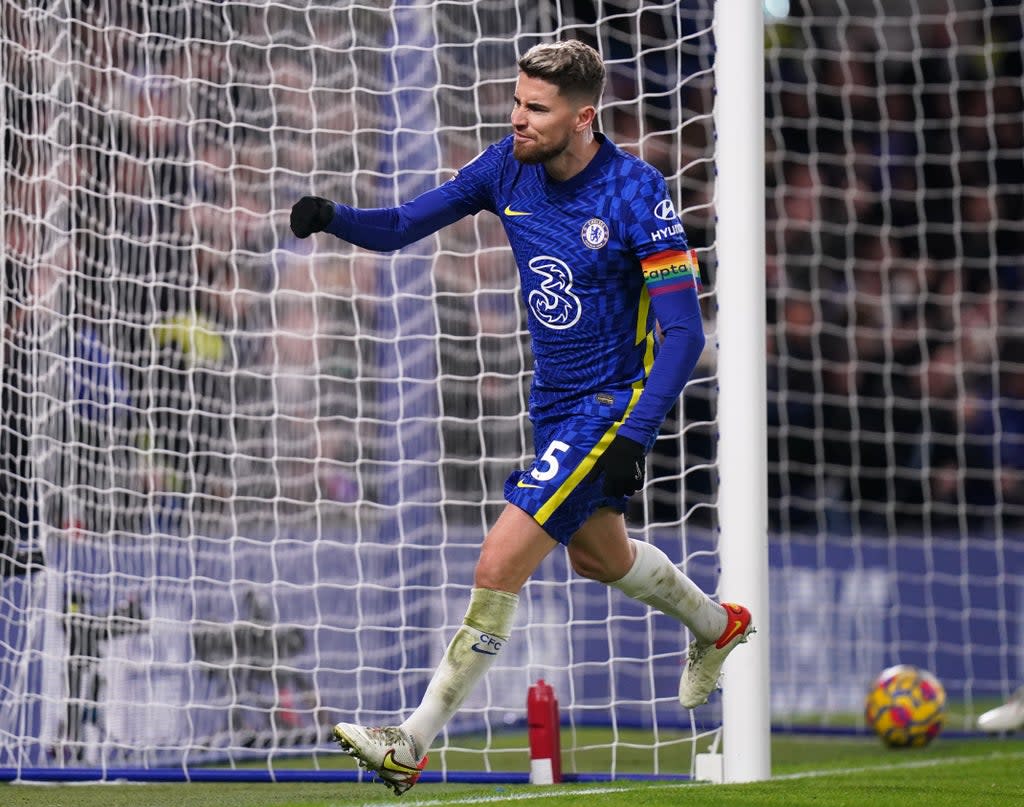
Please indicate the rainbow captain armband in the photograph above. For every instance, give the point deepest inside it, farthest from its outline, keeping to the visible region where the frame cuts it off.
(671, 270)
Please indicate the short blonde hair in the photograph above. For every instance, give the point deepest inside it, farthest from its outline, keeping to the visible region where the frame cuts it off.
(572, 66)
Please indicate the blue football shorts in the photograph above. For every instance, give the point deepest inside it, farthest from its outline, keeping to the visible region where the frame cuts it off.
(555, 489)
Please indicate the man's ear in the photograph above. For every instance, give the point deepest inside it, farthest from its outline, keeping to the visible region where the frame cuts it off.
(585, 117)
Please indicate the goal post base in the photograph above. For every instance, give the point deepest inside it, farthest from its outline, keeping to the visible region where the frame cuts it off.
(710, 768)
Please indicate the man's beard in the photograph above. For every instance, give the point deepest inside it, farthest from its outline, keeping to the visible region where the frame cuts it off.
(530, 153)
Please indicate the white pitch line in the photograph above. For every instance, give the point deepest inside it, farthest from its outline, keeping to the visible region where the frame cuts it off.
(524, 796)
(551, 794)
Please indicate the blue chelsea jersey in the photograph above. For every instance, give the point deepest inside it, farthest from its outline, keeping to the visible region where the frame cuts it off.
(601, 257)
(579, 246)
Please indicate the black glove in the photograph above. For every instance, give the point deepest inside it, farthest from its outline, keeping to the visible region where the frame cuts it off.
(311, 214)
(623, 465)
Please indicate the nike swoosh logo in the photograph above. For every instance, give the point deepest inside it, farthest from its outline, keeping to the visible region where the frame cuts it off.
(477, 648)
(510, 212)
(522, 484)
(390, 764)
(725, 638)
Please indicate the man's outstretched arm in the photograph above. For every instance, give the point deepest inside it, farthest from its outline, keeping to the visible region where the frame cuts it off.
(381, 229)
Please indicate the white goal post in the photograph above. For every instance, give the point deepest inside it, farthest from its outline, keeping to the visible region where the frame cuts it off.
(740, 318)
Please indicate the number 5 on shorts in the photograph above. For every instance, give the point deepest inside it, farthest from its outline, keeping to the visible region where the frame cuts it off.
(549, 461)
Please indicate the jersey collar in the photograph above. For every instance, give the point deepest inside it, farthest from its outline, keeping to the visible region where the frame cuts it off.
(593, 169)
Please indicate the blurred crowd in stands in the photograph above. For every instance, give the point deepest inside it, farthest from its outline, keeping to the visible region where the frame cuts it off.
(217, 364)
(896, 272)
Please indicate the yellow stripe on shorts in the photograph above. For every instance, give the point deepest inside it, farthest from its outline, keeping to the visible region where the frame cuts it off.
(585, 467)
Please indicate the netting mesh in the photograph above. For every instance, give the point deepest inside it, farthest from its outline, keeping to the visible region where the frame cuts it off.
(896, 179)
(250, 474)
(896, 303)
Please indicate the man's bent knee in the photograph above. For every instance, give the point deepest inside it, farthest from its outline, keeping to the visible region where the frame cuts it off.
(590, 567)
(602, 550)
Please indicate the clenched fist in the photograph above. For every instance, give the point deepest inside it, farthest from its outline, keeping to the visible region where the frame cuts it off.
(311, 214)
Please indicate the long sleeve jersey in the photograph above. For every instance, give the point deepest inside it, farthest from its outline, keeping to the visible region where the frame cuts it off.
(602, 257)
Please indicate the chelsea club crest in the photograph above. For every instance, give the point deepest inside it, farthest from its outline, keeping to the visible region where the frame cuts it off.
(594, 234)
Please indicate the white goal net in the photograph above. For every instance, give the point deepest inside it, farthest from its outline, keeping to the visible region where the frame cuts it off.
(244, 478)
(895, 280)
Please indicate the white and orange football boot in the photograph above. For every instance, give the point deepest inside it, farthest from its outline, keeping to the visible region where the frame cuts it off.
(704, 659)
(389, 752)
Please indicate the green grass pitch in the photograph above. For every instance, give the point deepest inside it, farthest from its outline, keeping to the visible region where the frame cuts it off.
(808, 771)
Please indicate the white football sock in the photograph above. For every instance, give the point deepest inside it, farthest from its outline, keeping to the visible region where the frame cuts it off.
(472, 651)
(654, 580)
